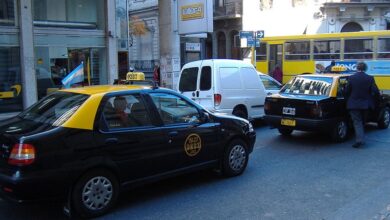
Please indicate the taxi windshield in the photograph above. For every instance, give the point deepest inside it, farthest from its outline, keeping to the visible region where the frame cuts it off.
(54, 109)
(308, 85)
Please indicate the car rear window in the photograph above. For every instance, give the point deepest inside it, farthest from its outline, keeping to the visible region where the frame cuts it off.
(54, 109)
(308, 85)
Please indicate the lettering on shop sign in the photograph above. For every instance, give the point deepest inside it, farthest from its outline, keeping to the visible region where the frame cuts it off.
(190, 12)
(192, 145)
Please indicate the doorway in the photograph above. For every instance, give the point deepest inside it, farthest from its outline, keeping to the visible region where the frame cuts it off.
(275, 56)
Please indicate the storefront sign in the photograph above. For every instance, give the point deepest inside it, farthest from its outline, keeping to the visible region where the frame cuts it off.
(195, 16)
(189, 12)
(193, 47)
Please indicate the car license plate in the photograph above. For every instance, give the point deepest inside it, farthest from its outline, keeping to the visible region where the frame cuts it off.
(288, 111)
(288, 122)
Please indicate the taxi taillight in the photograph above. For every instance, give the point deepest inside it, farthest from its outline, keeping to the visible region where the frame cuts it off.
(316, 111)
(22, 155)
(217, 99)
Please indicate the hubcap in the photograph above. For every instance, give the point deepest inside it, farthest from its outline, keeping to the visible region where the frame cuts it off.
(386, 117)
(97, 193)
(342, 129)
(237, 157)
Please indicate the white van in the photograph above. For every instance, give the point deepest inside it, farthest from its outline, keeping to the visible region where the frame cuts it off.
(224, 86)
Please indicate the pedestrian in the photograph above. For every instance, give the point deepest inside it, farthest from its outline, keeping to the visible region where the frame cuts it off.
(156, 74)
(277, 74)
(328, 69)
(361, 93)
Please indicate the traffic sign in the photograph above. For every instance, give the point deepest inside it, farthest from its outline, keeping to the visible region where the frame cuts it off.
(260, 34)
(246, 34)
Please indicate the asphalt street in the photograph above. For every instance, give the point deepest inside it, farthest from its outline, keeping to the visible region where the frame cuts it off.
(305, 176)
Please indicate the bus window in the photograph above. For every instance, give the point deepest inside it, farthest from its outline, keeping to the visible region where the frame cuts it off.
(326, 50)
(358, 49)
(384, 48)
(261, 52)
(297, 50)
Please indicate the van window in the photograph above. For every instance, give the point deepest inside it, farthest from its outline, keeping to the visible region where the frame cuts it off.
(250, 78)
(205, 78)
(188, 79)
(230, 78)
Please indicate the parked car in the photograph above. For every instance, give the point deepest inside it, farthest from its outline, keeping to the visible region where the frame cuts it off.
(84, 145)
(271, 85)
(224, 86)
(316, 103)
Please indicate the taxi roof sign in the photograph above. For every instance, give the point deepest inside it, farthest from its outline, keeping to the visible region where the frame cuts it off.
(337, 69)
(135, 76)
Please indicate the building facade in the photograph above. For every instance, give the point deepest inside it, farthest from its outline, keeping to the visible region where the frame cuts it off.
(41, 41)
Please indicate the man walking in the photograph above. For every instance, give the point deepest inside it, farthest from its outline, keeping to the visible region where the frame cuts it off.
(360, 92)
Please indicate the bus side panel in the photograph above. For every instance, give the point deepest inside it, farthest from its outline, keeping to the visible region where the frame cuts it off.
(292, 68)
(262, 66)
(383, 82)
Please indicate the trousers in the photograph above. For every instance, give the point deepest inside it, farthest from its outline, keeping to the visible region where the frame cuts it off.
(358, 120)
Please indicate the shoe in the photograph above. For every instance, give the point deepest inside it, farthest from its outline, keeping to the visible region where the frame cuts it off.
(357, 144)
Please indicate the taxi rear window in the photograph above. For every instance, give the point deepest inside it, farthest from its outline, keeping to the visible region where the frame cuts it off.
(309, 85)
(54, 109)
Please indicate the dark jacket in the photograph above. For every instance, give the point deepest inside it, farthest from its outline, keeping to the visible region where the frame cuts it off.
(361, 91)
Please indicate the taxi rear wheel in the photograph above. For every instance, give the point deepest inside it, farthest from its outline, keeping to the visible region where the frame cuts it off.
(95, 193)
(384, 120)
(235, 158)
(340, 131)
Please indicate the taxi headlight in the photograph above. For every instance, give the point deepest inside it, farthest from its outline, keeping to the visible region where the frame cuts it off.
(250, 127)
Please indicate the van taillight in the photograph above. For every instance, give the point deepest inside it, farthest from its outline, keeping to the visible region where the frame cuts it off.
(217, 99)
(22, 154)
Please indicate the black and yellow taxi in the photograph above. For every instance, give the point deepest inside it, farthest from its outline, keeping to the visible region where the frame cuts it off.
(84, 145)
(316, 102)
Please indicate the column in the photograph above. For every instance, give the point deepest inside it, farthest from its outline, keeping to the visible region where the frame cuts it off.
(29, 80)
(111, 42)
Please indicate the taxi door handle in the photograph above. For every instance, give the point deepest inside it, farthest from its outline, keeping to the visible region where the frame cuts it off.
(173, 134)
(111, 141)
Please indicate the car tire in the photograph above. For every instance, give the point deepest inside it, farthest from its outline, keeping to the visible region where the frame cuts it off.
(235, 158)
(384, 120)
(95, 193)
(239, 112)
(285, 131)
(340, 131)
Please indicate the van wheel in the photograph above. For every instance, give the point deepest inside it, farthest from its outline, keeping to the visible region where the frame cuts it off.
(285, 131)
(235, 158)
(384, 120)
(95, 193)
(340, 131)
(239, 112)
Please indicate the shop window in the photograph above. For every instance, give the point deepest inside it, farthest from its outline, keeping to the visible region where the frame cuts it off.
(384, 48)
(261, 52)
(10, 80)
(69, 13)
(7, 12)
(297, 50)
(326, 50)
(358, 49)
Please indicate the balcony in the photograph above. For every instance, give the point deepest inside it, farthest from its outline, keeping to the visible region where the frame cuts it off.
(228, 11)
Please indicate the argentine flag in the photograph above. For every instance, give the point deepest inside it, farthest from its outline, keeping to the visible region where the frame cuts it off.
(76, 76)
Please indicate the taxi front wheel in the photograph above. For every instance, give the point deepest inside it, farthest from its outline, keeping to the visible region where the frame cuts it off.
(95, 193)
(235, 158)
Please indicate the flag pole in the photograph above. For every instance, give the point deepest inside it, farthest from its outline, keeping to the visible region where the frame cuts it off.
(88, 72)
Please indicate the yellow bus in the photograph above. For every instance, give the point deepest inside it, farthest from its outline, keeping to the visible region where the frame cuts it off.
(313, 53)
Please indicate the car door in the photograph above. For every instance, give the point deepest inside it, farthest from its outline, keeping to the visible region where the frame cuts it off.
(127, 134)
(194, 139)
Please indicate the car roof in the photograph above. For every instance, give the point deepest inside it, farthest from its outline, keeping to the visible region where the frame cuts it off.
(99, 89)
(332, 75)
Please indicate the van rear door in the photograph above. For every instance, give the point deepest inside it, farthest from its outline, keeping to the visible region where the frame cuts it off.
(188, 84)
(205, 94)
(196, 83)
